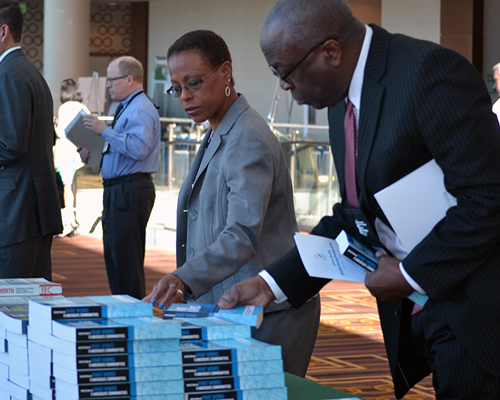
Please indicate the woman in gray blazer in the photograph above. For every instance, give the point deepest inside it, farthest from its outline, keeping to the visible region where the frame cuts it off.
(235, 212)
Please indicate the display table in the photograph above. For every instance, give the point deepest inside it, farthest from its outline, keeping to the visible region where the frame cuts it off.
(302, 389)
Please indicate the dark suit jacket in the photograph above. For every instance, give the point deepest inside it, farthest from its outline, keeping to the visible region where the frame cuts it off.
(421, 101)
(29, 202)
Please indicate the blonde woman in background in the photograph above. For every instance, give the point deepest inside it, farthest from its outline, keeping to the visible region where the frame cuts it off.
(66, 159)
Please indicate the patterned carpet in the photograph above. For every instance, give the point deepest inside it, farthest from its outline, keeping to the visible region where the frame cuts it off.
(349, 354)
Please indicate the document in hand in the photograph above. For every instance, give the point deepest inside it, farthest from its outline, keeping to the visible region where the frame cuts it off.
(416, 203)
(82, 137)
(322, 258)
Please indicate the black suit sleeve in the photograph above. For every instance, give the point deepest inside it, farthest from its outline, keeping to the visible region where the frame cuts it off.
(289, 271)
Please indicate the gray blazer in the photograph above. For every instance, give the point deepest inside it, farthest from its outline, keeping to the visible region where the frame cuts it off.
(235, 212)
(28, 194)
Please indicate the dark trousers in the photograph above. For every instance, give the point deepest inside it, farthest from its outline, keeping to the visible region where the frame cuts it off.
(127, 205)
(455, 374)
(27, 259)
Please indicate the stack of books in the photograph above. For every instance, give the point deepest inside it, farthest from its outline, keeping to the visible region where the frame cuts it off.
(109, 347)
(238, 369)
(112, 347)
(220, 360)
(14, 299)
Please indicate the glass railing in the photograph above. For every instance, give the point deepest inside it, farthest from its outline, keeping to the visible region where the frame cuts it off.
(306, 149)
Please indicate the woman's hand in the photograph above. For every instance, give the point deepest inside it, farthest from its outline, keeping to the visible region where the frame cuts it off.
(167, 290)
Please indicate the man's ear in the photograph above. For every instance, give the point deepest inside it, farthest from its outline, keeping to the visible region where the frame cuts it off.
(333, 52)
(4, 33)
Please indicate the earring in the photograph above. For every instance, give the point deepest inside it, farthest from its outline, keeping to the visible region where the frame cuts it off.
(227, 92)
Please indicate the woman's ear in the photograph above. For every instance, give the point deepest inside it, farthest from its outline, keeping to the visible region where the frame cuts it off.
(227, 70)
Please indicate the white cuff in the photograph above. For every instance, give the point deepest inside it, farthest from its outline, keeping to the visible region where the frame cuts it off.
(278, 293)
(410, 280)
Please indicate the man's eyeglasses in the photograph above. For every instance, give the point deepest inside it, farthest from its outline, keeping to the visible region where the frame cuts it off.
(112, 80)
(175, 91)
(284, 77)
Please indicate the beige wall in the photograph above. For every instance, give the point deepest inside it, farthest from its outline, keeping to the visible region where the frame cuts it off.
(420, 19)
(239, 22)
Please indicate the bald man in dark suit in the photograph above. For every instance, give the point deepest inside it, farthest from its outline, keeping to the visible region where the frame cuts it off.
(30, 210)
(413, 101)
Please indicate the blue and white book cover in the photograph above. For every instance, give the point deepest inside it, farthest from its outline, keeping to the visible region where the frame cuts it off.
(189, 310)
(234, 383)
(119, 390)
(116, 361)
(165, 396)
(90, 307)
(356, 251)
(101, 347)
(248, 315)
(151, 328)
(232, 369)
(108, 376)
(212, 328)
(228, 350)
(138, 328)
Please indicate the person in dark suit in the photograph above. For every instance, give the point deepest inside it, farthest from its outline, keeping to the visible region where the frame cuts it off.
(413, 101)
(29, 202)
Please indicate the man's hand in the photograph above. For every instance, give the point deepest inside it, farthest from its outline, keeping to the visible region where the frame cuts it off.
(91, 122)
(167, 290)
(254, 291)
(84, 154)
(387, 283)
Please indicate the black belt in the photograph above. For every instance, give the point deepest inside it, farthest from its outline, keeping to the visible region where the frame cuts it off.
(126, 178)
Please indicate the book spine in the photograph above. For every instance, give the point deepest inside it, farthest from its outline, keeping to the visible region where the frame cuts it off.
(209, 356)
(30, 289)
(167, 314)
(122, 390)
(99, 377)
(126, 346)
(118, 361)
(193, 334)
(96, 334)
(359, 258)
(75, 312)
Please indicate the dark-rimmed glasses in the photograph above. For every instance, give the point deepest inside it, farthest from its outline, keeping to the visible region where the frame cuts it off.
(112, 80)
(284, 77)
(175, 91)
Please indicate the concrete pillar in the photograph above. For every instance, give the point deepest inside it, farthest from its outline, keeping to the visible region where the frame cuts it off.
(66, 42)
